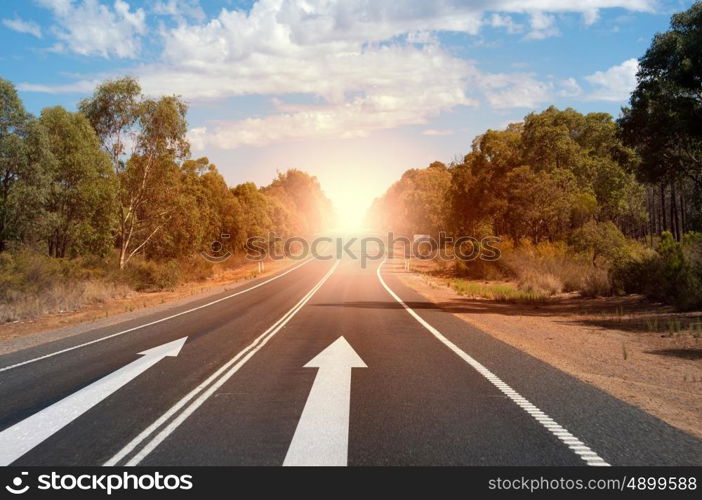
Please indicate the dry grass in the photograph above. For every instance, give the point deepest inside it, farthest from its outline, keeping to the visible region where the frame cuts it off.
(497, 292)
(60, 297)
(540, 283)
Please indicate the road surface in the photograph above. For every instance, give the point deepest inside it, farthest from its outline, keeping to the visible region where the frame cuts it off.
(324, 364)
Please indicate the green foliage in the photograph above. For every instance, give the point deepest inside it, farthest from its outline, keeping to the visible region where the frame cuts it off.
(541, 179)
(672, 273)
(601, 240)
(148, 276)
(152, 275)
(499, 293)
(663, 121)
(113, 111)
(148, 179)
(80, 210)
(25, 161)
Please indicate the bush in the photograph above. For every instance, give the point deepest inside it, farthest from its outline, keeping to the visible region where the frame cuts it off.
(597, 283)
(147, 275)
(540, 283)
(32, 284)
(546, 269)
(601, 240)
(672, 273)
(195, 268)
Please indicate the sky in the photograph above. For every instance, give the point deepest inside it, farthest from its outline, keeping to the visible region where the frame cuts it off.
(353, 92)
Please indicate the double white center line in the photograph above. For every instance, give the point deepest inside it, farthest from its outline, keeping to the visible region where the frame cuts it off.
(151, 437)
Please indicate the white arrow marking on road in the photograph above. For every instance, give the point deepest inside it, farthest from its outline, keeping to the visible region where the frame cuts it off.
(17, 440)
(322, 434)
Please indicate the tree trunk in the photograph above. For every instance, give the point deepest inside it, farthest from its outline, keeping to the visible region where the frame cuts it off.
(663, 214)
(683, 215)
(674, 213)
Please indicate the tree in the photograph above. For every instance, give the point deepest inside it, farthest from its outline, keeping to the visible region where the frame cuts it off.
(156, 128)
(203, 209)
(538, 203)
(113, 111)
(255, 219)
(664, 120)
(303, 195)
(24, 161)
(477, 194)
(80, 199)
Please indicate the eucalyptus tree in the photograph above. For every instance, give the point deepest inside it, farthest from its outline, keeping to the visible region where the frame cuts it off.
(145, 139)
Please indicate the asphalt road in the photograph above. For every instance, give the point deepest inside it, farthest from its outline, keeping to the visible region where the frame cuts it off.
(391, 380)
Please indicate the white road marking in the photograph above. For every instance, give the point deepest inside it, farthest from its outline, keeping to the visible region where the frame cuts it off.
(16, 365)
(214, 381)
(17, 440)
(322, 434)
(577, 446)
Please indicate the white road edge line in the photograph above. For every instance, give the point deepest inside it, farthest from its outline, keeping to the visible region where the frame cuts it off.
(577, 446)
(217, 379)
(62, 351)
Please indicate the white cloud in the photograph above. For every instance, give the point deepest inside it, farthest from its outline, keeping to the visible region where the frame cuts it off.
(362, 86)
(515, 90)
(356, 118)
(368, 65)
(89, 28)
(525, 90)
(435, 132)
(422, 38)
(80, 86)
(569, 88)
(504, 21)
(21, 26)
(590, 17)
(542, 26)
(615, 83)
(179, 9)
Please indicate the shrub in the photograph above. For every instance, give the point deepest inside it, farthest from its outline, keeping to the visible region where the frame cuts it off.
(672, 273)
(147, 275)
(596, 283)
(32, 284)
(195, 268)
(540, 283)
(601, 240)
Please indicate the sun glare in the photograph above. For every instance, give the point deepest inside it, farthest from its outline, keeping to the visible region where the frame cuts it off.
(351, 204)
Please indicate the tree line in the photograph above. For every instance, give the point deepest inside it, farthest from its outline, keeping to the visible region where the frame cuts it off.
(620, 199)
(540, 179)
(116, 176)
(559, 170)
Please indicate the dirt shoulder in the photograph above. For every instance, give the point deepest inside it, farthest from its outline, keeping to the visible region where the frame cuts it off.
(47, 328)
(599, 341)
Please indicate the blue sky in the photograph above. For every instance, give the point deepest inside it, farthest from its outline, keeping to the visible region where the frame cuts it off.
(351, 91)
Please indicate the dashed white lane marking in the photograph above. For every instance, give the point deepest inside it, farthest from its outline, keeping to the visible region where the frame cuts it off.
(33, 360)
(217, 379)
(576, 445)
